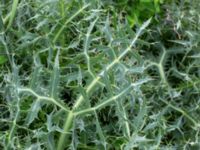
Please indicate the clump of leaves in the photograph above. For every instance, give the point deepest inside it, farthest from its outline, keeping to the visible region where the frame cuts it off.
(67, 66)
(172, 64)
(141, 10)
(137, 11)
(79, 77)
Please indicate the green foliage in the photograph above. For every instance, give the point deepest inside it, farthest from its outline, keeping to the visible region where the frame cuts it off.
(2, 60)
(139, 10)
(76, 75)
(142, 9)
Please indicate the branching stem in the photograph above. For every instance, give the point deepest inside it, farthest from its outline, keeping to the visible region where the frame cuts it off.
(92, 85)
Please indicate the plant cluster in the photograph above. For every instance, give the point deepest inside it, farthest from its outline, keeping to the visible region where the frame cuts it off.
(85, 74)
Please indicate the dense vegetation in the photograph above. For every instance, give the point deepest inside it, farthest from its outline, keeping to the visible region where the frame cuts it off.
(100, 74)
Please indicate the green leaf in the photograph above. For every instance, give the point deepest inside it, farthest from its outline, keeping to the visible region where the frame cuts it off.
(12, 13)
(33, 112)
(1, 24)
(54, 81)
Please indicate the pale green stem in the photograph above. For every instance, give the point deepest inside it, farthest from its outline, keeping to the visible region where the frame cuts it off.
(63, 140)
(80, 99)
(52, 100)
(115, 61)
(13, 13)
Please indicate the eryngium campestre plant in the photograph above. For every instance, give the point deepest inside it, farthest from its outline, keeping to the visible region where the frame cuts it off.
(77, 76)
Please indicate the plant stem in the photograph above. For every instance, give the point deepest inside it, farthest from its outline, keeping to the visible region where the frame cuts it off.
(95, 80)
(13, 12)
(64, 138)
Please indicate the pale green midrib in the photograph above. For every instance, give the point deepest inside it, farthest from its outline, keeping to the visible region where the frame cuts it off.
(116, 60)
(113, 98)
(52, 100)
(184, 113)
(105, 103)
(86, 46)
(55, 76)
(67, 21)
(80, 99)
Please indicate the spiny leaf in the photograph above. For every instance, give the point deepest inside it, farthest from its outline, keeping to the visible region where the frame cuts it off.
(33, 112)
(54, 81)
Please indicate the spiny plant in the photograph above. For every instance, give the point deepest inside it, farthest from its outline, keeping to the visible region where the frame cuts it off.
(67, 66)
(172, 65)
(75, 75)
